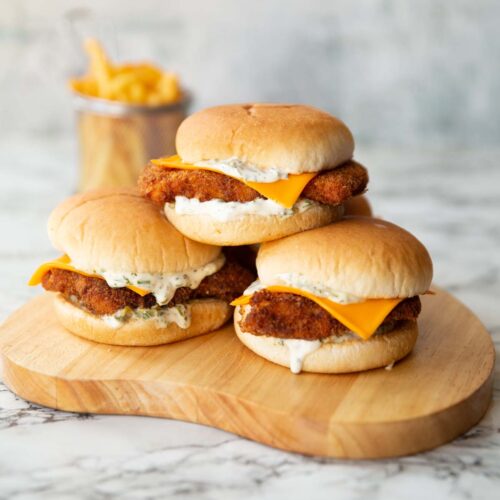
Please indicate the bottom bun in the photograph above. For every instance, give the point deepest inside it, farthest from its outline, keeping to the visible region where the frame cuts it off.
(250, 229)
(349, 356)
(206, 315)
(358, 205)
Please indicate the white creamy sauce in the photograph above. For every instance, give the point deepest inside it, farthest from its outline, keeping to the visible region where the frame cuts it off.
(179, 314)
(162, 286)
(299, 350)
(254, 287)
(230, 210)
(112, 321)
(243, 170)
(299, 281)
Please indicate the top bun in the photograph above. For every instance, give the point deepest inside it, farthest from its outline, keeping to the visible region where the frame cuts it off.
(360, 256)
(289, 137)
(120, 231)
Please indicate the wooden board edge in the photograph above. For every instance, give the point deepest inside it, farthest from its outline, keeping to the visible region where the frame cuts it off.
(29, 385)
(398, 438)
(247, 419)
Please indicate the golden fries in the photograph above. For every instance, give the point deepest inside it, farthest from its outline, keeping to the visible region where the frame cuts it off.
(141, 83)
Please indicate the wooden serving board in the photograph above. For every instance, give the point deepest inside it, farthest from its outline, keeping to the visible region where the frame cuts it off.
(441, 390)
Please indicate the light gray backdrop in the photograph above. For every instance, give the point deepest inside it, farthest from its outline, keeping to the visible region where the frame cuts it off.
(409, 73)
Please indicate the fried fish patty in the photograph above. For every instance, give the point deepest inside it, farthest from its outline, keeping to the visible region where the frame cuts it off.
(289, 316)
(162, 185)
(96, 296)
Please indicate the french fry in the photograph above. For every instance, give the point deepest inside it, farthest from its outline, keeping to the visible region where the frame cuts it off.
(99, 67)
(154, 99)
(121, 96)
(168, 88)
(141, 83)
(115, 148)
(137, 93)
(121, 82)
(148, 73)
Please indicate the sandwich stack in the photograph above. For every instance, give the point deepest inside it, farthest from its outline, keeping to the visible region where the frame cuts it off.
(334, 293)
(261, 216)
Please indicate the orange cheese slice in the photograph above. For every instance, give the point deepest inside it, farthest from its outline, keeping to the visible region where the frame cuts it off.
(285, 191)
(363, 318)
(64, 262)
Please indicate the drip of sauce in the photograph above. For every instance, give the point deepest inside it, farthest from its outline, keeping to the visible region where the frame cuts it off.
(299, 350)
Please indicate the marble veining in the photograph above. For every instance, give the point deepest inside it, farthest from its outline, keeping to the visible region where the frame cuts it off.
(449, 199)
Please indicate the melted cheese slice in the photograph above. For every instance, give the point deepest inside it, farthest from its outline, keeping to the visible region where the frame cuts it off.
(64, 262)
(285, 191)
(362, 318)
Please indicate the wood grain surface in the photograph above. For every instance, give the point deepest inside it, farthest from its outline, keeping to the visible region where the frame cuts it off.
(438, 392)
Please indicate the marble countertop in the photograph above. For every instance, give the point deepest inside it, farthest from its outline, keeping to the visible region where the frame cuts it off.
(449, 199)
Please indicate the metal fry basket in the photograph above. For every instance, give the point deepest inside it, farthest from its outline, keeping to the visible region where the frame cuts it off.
(116, 140)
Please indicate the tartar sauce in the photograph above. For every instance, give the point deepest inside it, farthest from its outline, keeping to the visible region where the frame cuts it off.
(180, 314)
(243, 170)
(254, 287)
(162, 286)
(299, 349)
(298, 281)
(230, 210)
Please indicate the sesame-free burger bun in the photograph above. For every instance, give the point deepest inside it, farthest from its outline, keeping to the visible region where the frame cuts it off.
(349, 356)
(252, 228)
(119, 230)
(291, 138)
(206, 315)
(361, 256)
(358, 205)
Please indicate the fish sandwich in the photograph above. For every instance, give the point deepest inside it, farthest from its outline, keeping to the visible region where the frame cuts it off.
(128, 277)
(341, 298)
(250, 173)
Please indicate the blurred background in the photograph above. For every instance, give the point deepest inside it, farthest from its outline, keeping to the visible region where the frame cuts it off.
(399, 72)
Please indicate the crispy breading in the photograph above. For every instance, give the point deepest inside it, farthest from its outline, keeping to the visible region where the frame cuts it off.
(97, 297)
(289, 316)
(337, 185)
(162, 185)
